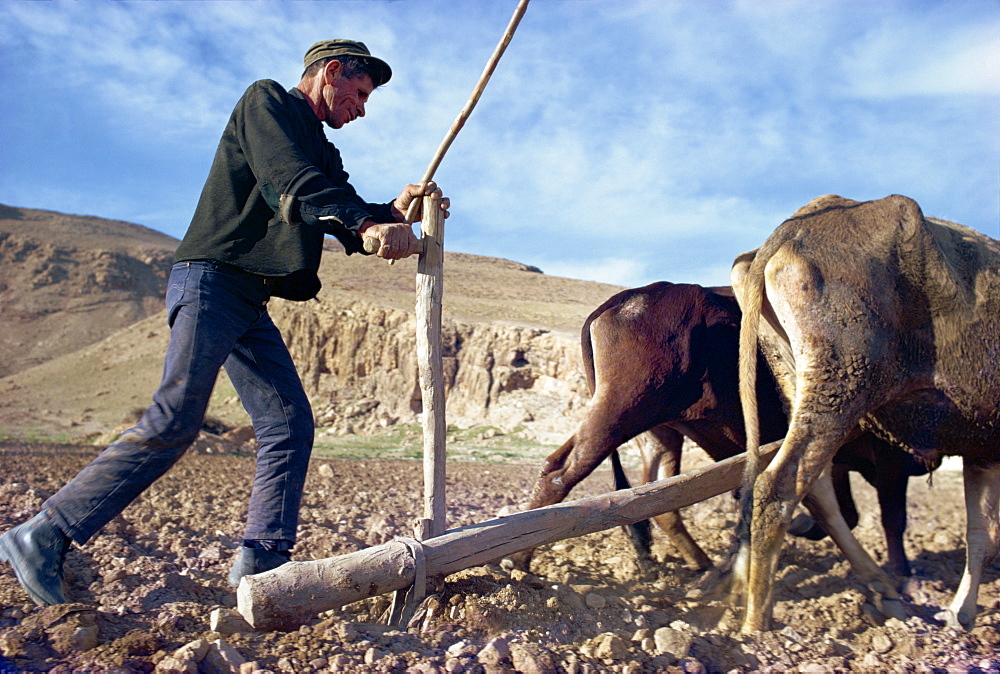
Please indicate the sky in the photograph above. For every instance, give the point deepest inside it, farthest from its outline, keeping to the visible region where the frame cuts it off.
(621, 141)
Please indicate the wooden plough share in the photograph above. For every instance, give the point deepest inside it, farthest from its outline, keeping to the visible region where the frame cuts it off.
(294, 593)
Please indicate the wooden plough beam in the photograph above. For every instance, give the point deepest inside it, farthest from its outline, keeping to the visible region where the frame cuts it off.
(292, 594)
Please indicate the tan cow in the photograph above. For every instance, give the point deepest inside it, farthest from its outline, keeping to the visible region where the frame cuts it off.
(874, 318)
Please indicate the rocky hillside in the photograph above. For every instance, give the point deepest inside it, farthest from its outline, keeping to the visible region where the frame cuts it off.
(68, 280)
(83, 335)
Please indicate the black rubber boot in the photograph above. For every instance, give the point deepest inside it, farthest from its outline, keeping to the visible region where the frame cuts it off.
(252, 561)
(36, 550)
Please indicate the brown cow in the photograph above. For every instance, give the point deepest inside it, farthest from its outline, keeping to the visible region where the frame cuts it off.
(874, 318)
(662, 361)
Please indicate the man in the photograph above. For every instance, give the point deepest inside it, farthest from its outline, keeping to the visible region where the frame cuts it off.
(276, 186)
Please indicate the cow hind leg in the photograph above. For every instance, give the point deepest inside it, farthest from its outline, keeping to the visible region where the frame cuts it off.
(757, 559)
(891, 482)
(661, 459)
(982, 539)
(776, 492)
(640, 533)
(823, 503)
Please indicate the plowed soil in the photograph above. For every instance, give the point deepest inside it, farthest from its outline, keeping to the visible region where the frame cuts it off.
(149, 583)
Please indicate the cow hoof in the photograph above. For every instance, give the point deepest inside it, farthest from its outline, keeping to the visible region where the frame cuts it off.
(800, 525)
(521, 562)
(956, 621)
(804, 526)
(892, 608)
(714, 584)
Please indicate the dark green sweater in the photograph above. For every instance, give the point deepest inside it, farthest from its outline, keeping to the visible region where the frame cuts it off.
(274, 157)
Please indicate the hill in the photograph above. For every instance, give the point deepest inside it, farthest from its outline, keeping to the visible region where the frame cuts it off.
(84, 335)
(69, 280)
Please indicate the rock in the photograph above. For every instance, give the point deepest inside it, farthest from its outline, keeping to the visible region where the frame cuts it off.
(226, 621)
(221, 658)
(595, 601)
(76, 631)
(494, 652)
(674, 642)
(194, 650)
(881, 643)
(570, 598)
(609, 646)
(791, 634)
(691, 666)
(175, 665)
(325, 471)
(531, 659)
(340, 662)
(373, 655)
(456, 649)
(872, 662)
(656, 618)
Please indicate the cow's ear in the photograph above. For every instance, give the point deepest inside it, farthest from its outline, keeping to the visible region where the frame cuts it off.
(906, 212)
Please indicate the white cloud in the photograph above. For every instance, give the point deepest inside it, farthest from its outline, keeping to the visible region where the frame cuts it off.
(925, 59)
(660, 138)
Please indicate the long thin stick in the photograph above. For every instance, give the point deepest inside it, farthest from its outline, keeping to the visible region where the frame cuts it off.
(456, 126)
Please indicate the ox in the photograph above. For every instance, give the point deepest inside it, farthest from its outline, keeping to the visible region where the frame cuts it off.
(875, 319)
(662, 361)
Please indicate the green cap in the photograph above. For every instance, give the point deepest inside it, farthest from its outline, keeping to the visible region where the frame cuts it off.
(380, 70)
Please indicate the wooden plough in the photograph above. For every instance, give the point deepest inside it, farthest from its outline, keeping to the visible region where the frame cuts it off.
(294, 593)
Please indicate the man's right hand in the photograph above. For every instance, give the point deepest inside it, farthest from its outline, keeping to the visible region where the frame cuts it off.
(396, 239)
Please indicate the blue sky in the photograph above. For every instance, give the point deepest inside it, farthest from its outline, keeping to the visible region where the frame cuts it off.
(623, 141)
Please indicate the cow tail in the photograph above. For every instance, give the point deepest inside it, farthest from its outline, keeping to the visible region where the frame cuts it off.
(752, 301)
(587, 349)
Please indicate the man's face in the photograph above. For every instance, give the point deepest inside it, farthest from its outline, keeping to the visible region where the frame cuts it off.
(345, 98)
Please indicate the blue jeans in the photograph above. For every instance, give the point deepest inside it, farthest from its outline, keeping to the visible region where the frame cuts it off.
(218, 317)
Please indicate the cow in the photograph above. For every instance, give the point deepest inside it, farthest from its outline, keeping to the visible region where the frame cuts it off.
(873, 319)
(661, 364)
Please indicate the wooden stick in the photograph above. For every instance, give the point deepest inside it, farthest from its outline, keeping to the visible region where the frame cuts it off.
(293, 593)
(463, 116)
(430, 289)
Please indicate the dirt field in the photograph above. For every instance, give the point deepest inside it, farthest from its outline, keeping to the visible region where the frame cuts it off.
(151, 583)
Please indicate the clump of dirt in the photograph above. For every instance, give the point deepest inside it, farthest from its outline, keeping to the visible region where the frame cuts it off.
(150, 591)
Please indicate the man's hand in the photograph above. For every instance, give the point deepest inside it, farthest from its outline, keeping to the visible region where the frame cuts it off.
(396, 239)
(411, 192)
